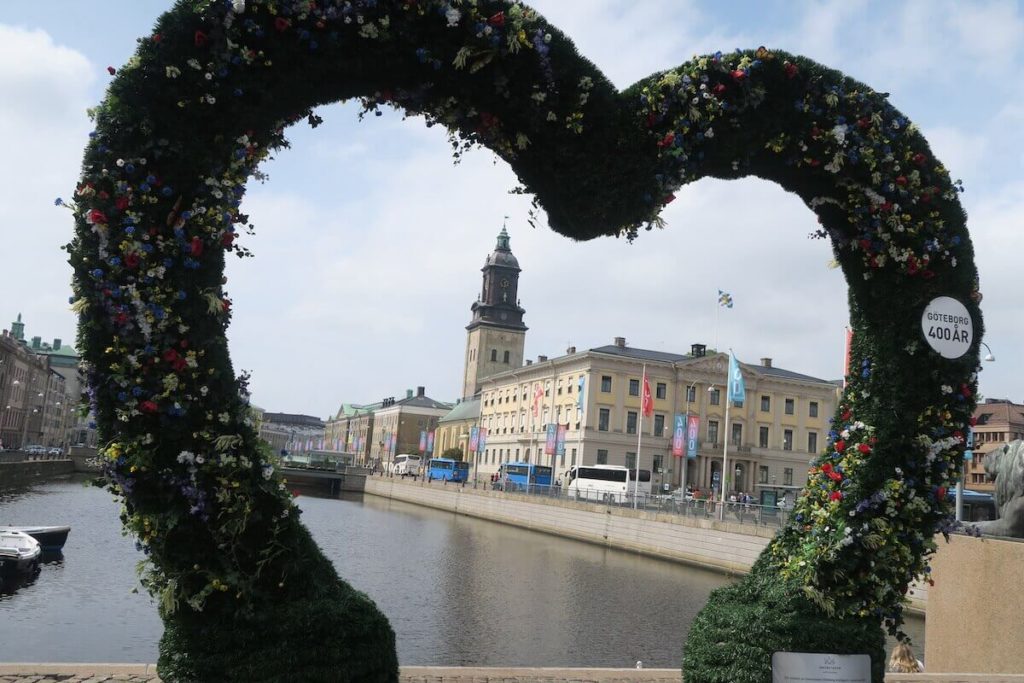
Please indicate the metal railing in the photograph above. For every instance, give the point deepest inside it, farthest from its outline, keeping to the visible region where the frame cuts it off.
(734, 512)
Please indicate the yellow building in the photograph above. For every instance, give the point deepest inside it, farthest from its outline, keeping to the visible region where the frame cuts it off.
(453, 430)
(781, 426)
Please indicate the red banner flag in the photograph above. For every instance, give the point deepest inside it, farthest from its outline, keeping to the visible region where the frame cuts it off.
(538, 394)
(647, 403)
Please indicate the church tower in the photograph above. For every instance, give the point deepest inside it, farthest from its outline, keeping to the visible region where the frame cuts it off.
(496, 335)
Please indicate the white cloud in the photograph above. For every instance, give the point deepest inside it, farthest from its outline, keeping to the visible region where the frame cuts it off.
(45, 91)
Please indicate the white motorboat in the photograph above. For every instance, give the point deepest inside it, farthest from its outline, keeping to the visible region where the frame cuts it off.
(51, 538)
(19, 553)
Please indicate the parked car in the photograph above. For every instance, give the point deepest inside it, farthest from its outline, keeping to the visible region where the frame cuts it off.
(35, 449)
(54, 451)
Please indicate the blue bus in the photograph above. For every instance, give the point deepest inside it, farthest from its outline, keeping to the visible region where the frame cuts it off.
(525, 476)
(447, 469)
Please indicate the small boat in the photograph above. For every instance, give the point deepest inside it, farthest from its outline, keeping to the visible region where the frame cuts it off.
(51, 538)
(19, 553)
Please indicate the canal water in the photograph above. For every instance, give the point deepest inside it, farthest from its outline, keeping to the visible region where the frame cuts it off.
(458, 591)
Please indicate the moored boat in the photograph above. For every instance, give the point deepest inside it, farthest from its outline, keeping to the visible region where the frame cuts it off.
(50, 538)
(19, 553)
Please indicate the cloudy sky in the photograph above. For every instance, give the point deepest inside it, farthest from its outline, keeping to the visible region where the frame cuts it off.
(369, 240)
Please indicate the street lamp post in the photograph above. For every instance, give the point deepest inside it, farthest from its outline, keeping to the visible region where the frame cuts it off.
(989, 358)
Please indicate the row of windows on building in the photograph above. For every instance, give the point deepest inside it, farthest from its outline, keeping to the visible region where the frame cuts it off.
(660, 392)
(506, 356)
(505, 424)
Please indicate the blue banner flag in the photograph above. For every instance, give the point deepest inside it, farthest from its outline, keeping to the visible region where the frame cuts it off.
(692, 430)
(474, 439)
(583, 388)
(552, 436)
(724, 299)
(737, 389)
(969, 450)
(678, 436)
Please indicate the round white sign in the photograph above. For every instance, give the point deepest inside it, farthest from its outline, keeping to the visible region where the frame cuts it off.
(947, 327)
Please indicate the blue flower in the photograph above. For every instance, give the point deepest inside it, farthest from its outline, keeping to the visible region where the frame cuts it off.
(58, 202)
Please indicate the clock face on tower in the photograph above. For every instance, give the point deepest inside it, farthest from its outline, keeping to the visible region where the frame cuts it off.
(504, 283)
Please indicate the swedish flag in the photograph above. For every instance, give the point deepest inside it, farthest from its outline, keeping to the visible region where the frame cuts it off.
(724, 299)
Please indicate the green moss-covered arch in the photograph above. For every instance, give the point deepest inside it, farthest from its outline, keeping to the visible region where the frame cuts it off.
(243, 590)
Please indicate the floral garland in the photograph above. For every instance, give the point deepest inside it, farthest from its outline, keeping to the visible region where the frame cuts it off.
(207, 97)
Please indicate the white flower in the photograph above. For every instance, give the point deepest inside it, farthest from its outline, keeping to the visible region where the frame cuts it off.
(237, 6)
(453, 15)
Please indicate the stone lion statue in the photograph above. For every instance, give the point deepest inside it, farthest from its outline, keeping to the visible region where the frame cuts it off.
(1005, 465)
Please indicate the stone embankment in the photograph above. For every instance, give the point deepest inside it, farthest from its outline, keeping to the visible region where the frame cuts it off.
(146, 673)
(724, 546)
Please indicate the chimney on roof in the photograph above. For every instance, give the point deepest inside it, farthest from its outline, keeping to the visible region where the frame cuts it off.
(408, 393)
(766, 362)
(698, 350)
(37, 343)
(56, 344)
(571, 350)
(541, 359)
(620, 342)
(421, 391)
(529, 362)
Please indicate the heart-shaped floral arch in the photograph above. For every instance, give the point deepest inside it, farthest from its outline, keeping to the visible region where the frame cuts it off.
(243, 591)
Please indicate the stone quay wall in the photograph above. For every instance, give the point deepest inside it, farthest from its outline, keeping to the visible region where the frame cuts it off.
(14, 474)
(726, 547)
(146, 673)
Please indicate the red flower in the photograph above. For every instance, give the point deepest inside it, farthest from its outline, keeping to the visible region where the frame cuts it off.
(96, 216)
(668, 199)
(901, 180)
(131, 260)
(497, 19)
(840, 446)
(111, 70)
(225, 304)
(156, 37)
(738, 74)
(965, 390)
(835, 476)
(940, 492)
(835, 495)
(148, 407)
(826, 468)
(281, 24)
(847, 414)
(919, 159)
(790, 69)
(864, 448)
(719, 89)
(227, 238)
(197, 247)
(200, 38)
(170, 355)
(121, 203)
(669, 138)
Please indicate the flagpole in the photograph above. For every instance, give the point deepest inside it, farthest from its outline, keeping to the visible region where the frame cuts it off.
(639, 436)
(725, 449)
(578, 458)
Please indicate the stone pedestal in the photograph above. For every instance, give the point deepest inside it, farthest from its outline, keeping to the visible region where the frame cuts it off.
(976, 607)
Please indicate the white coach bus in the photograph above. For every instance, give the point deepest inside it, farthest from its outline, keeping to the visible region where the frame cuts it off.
(608, 483)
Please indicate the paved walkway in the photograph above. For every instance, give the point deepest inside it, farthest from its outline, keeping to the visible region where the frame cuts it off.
(146, 673)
